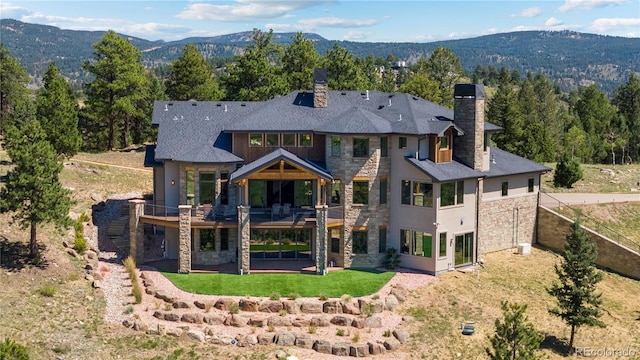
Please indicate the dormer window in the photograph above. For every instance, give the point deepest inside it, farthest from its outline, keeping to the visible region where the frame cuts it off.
(444, 142)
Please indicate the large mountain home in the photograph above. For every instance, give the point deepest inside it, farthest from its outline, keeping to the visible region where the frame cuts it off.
(334, 178)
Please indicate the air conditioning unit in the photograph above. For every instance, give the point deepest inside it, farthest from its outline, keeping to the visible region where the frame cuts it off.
(524, 249)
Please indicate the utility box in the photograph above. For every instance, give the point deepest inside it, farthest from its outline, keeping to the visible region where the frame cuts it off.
(524, 249)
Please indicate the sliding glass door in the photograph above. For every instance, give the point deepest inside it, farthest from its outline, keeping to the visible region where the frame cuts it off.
(464, 249)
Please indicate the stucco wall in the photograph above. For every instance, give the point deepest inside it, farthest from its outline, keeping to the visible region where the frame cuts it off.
(553, 229)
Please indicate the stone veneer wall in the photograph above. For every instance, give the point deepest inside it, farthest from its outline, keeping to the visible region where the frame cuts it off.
(505, 223)
(184, 242)
(370, 216)
(553, 229)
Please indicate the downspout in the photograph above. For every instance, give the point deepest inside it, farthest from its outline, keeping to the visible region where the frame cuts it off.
(478, 201)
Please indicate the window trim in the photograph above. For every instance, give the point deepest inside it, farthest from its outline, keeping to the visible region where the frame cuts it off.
(300, 138)
(336, 150)
(382, 233)
(266, 140)
(295, 140)
(365, 233)
(384, 150)
(251, 135)
(384, 194)
(402, 142)
(209, 231)
(361, 186)
(368, 149)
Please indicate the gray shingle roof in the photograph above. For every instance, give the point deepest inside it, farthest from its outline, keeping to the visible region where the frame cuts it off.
(445, 171)
(505, 163)
(274, 157)
(188, 130)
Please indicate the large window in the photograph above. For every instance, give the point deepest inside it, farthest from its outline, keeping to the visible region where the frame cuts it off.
(417, 193)
(288, 139)
(207, 239)
(273, 139)
(442, 248)
(360, 242)
(335, 146)
(207, 187)
(224, 188)
(255, 140)
(384, 146)
(505, 188)
(361, 147)
(416, 243)
(530, 185)
(360, 192)
(304, 140)
(383, 191)
(224, 239)
(452, 193)
(382, 240)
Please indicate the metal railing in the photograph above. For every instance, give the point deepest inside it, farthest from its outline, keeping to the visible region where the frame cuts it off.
(160, 211)
(588, 222)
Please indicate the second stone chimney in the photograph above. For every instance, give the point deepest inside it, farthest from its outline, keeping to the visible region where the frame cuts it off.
(468, 114)
(320, 88)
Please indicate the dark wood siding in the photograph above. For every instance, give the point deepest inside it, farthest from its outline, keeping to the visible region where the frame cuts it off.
(241, 148)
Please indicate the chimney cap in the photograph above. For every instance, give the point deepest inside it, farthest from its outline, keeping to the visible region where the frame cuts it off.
(469, 90)
(319, 76)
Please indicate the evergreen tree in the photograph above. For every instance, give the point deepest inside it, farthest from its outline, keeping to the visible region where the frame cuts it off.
(115, 96)
(567, 172)
(627, 99)
(503, 110)
(578, 302)
(33, 193)
(298, 62)
(13, 80)
(342, 71)
(421, 85)
(57, 112)
(515, 338)
(256, 75)
(576, 140)
(192, 78)
(596, 114)
(444, 68)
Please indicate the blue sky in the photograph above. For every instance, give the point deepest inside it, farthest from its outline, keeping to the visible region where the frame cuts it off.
(355, 20)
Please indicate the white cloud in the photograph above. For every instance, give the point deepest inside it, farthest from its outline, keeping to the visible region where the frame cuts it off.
(356, 35)
(326, 22)
(552, 22)
(51, 19)
(604, 25)
(245, 10)
(9, 10)
(529, 12)
(421, 38)
(588, 4)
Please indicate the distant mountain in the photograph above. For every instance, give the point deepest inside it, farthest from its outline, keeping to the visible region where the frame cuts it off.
(570, 58)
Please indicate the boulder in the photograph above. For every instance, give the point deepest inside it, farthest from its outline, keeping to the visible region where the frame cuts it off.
(174, 332)
(140, 325)
(236, 320)
(291, 306)
(266, 338)
(271, 306)
(359, 350)
(311, 307)
(193, 318)
(158, 315)
(200, 305)
(332, 307)
(225, 304)
(163, 295)
(285, 338)
(213, 319)
(304, 341)
(358, 323)
(391, 303)
(279, 321)
(246, 340)
(350, 308)
(376, 348)
(401, 334)
(259, 321)
(97, 276)
(97, 284)
(300, 322)
(319, 321)
(340, 349)
(373, 322)
(127, 323)
(151, 291)
(391, 344)
(248, 305)
(172, 317)
(195, 335)
(408, 319)
(222, 340)
(400, 292)
(322, 346)
(181, 305)
(91, 255)
(341, 320)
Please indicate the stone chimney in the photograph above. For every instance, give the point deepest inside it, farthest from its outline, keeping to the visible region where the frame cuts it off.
(468, 114)
(320, 88)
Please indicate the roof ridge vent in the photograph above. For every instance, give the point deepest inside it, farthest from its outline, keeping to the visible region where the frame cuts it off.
(493, 159)
(399, 117)
(367, 98)
(166, 107)
(389, 101)
(225, 107)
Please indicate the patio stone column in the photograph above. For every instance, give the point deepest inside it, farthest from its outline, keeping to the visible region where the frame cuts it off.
(322, 213)
(184, 246)
(136, 230)
(244, 236)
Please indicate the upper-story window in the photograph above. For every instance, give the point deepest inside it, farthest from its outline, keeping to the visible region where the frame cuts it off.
(335, 146)
(256, 139)
(361, 147)
(383, 191)
(417, 193)
(273, 139)
(361, 192)
(505, 188)
(207, 187)
(444, 142)
(402, 142)
(384, 146)
(452, 193)
(288, 139)
(305, 140)
(224, 188)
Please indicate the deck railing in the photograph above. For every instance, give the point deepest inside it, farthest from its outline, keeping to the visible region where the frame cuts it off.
(160, 211)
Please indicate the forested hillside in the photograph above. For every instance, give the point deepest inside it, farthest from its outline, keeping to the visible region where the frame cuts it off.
(569, 58)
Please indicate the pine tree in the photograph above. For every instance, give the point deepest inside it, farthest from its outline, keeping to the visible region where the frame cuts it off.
(503, 110)
(578, 302)
(342, 71)
(298, 62)
(515, 338)
(421, 85)
(192, 78)
(567, 172)
(13, 80)
(445, 68)
(33, 193)
(116, 96)
(57, 112)
(627, 98)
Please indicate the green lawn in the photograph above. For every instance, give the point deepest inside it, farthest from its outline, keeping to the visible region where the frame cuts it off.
(334, 284)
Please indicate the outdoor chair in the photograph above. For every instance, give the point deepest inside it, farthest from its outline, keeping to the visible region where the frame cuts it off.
(286, 210)
(275, 211)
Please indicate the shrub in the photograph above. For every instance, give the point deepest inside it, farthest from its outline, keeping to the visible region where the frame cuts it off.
(340, 332)
(568, 171)
(346, 298)
(10, 350)
(323, 297)
(283, 312)
(369, 309)
(274, 296)
(47, 291)
(130, 266)
(294, 296)
(80, 245)
(234, 308)
(128, 310)
(387, 333)
(356, 337)
(312, 329)
(391, 259)
(83, 217)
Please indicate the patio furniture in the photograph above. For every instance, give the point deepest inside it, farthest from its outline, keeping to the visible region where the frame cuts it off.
(286, 210)
(275, 211)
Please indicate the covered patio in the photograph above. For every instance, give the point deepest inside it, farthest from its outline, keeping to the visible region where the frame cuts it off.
(257, 267)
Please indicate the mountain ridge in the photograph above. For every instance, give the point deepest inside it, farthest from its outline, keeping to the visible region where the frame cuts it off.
(569, 58)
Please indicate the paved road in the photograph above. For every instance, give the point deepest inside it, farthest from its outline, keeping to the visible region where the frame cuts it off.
(552, 200)
(111, 165)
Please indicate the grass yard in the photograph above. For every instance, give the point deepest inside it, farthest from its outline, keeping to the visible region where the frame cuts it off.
(334, 284)
(598, 178)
